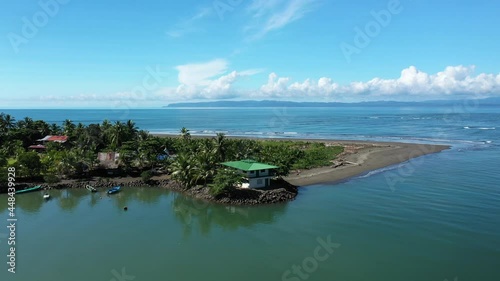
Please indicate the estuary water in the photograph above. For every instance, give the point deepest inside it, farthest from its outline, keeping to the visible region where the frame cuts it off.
(434, 218)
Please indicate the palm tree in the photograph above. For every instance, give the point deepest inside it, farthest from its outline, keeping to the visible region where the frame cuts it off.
(220, 147)
(143, 135)
(55, 129)
(26, 123)
(7, 121)
(131, 129)
(139, 160)
(106, 131)
(68, 127)
(79, 128)
(106, 125)
(185, 133)
(89, 137)
(185, 171)
(14, 148)
(42, 127)
(117, 133)
(83, 157)
(243, 149)
(66, 163)
(205, 160)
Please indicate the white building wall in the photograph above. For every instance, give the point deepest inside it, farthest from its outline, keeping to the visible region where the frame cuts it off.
(257, 182)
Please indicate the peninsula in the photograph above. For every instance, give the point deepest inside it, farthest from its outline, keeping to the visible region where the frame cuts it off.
(222, 169)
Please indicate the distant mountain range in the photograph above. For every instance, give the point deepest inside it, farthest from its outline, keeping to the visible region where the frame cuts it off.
(274, 103)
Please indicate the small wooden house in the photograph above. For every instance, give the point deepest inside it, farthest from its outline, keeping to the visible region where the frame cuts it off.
(257, 174)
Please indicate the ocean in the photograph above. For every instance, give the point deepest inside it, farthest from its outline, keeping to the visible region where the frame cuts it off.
(436, 217)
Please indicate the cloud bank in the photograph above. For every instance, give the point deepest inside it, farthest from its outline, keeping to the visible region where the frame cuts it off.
(453, 82)
(213, 80)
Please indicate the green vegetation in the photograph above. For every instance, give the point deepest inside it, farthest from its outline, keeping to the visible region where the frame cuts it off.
(10, 161)
(77, 157)
(225, 180)
(146, 176)
(50, 179)
(29, 163)
(195, 161)
(317, 155)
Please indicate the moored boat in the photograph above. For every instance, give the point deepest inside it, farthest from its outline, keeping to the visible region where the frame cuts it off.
(90, 188)
(46, 196)
(115, 189)
(34, 188)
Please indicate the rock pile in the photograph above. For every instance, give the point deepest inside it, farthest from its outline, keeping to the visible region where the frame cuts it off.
(280, 192)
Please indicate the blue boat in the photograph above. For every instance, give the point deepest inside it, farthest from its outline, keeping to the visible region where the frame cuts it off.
(113, 190)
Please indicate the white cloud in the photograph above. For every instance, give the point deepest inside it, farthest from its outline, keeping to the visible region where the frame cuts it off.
(200, 73)
(259, 8)
(212, 81)
(275, 85)
(272, 15)
(206, 80)
(453, 82)
(189, 25)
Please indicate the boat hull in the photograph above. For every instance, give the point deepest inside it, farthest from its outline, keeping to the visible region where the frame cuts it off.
(114, 190)
(35, 188)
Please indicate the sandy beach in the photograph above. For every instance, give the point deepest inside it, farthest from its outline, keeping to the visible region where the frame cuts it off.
(358, 158)
(361, 158)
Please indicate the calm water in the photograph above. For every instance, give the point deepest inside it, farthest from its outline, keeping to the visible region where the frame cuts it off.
(434, 218)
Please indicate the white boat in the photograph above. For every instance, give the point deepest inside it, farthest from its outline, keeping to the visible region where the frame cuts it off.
(46, 196)
(90, 188)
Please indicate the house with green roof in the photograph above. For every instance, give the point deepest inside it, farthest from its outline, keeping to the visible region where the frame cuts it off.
(257, 175)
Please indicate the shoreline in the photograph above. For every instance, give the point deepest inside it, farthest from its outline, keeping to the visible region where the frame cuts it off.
(360, 157)
(373, 156)
(281, 192)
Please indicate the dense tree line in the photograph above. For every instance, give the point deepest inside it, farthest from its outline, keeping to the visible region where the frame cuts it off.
(78, 156)
(196, 162)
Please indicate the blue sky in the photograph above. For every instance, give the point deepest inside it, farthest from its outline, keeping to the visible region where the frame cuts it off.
(75, 53)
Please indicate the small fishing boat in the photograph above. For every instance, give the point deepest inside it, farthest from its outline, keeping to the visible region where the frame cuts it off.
(115, 189)
(34, 188)
(90, 188)
(46, 196)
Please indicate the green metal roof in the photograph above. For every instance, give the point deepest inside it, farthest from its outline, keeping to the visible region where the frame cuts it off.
(248, 165)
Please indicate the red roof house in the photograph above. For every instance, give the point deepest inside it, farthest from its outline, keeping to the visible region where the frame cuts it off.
(59, 139)
(37, 147)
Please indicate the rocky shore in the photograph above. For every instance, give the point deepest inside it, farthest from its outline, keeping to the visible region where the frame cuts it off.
(281, 191)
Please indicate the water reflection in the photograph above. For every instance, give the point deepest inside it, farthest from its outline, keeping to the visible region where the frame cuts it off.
(69, 198)
(3, 203)
(122, 198)
(95, 197)
(150, 196)
(144, 195)
(194, 213)
(30, 202)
